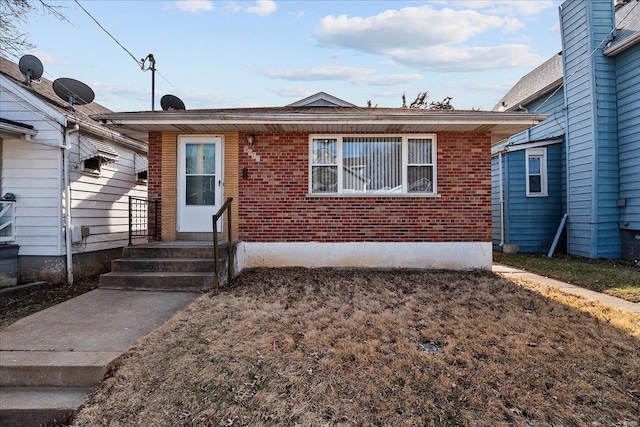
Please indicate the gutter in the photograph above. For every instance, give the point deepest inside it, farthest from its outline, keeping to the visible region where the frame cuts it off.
(622, 46)
(106, 133)
(195, 117)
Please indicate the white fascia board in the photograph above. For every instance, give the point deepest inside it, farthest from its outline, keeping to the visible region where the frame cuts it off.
(313, 119)
(16, 130)
(36, 102)
(111, 135)
(534, 144)
(505, 147)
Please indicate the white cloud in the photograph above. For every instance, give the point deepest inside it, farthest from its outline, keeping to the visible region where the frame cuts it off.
(354, 75)
(433, 39)
(262, 7)
(297, 15)
(319, 73)
(411, 26)
(506, 7)
(297, 91)
(195, 6)
(390, 80)
(449, 58)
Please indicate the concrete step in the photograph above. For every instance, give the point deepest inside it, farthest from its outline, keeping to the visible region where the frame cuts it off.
(33, 406)
(171, 251)
(53, 368)
(164, 264)
(158, 281)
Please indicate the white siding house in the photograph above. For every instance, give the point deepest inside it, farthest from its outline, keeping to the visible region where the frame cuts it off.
(71, 179)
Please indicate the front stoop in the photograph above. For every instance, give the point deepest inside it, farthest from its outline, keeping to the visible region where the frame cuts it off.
(170, 266)
(43, 386)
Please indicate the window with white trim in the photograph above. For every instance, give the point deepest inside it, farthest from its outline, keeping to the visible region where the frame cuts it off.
(372, 164)
(536, 172)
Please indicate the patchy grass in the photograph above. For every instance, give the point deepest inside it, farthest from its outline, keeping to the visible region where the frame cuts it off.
(618, 278)
(343, 347)
(15, 307)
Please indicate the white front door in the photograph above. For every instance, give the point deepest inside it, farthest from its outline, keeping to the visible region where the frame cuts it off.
(199, 182)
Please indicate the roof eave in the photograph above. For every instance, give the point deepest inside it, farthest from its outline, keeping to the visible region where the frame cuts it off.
(534, 96)
(192, 118)
(622, 46)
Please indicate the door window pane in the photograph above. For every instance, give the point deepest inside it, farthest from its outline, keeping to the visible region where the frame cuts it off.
(201, 190)
(200, 158)
(200, 176)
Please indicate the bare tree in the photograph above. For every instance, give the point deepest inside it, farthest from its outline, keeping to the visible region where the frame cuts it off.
(445, 104)
(421, 102)
(15, 12)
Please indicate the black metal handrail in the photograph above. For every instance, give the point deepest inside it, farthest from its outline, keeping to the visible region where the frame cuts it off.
(139, 213)
(225, 207)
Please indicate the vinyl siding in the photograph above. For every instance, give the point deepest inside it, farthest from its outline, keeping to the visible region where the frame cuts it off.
(592, 153)
(628, 84)
(32, 172)
(496, 236)
(531, 222)
(102, 202)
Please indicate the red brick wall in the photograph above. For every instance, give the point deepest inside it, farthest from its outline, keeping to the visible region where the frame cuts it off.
(154, 180)
(274, 207)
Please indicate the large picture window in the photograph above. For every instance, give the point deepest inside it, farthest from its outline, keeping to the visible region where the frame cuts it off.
(373, 164)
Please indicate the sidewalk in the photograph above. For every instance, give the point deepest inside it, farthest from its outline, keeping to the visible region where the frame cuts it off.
(619, 303)
(50, 360)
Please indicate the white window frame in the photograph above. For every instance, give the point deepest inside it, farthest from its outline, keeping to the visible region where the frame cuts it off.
(540, 153)
(405, 165)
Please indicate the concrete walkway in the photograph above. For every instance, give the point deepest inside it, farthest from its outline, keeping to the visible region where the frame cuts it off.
(619, 303)
(51, 360)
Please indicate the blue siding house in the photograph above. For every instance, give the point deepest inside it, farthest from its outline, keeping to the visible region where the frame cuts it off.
(584, 159)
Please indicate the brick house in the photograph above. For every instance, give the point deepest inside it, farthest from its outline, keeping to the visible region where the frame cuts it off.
(322, 182)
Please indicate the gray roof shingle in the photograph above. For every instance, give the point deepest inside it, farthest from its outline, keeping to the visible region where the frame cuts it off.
(549, 76)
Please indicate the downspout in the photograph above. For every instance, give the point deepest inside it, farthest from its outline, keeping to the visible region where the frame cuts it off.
(500, 178)
(67, 195)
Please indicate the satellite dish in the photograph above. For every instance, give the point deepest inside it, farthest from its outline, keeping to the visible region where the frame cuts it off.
(171, 102)
(31, 67)
(73, 91)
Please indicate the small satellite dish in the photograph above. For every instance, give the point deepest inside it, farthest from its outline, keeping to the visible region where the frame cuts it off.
(73, 91)
(31, 67)
(171, 102)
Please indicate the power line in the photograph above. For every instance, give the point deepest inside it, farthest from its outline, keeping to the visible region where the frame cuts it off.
(140, 63)
(579, 67)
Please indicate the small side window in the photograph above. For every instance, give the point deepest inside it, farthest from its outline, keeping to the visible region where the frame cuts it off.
(142, 176)
(536, 172)
(92, 165)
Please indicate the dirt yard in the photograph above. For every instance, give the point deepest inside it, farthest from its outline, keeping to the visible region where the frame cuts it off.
(298, 347)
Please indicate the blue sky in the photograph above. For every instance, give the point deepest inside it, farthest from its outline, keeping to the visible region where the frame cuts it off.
(225, 54)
